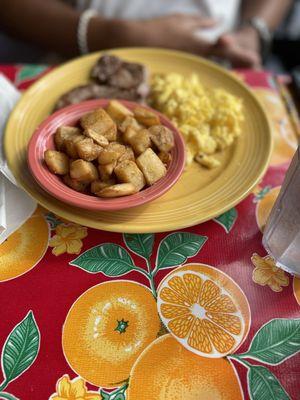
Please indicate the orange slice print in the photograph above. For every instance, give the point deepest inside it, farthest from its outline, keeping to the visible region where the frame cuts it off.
(24, 248)
(204, 309)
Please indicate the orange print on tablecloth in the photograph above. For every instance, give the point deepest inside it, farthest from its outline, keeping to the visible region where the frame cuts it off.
(266, 273)
(296, 289)
(24, 248)
(204, 309)
(264, 205)
(167, 371)
(107, 328)
(285, 140)
(75, 389)
(67, 239)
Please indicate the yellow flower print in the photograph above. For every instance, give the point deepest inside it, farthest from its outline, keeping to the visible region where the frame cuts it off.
(67, 239)
(74, 389)
(266, 273)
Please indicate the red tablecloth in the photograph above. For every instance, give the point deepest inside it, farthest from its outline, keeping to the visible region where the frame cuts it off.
(112, 337)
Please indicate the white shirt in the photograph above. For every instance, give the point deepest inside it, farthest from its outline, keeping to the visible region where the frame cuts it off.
(224, 11)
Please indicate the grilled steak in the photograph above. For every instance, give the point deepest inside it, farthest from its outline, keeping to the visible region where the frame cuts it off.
(113, 78)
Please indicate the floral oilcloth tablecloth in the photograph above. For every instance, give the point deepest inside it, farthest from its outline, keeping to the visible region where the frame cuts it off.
(82, 310)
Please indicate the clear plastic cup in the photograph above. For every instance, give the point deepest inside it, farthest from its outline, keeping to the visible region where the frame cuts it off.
(281, 236)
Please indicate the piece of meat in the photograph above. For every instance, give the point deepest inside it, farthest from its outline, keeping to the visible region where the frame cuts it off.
(93, 91)
(120, 74)
(113, 79)
(105, 67)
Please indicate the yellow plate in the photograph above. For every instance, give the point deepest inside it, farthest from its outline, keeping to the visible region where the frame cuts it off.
(198, 196)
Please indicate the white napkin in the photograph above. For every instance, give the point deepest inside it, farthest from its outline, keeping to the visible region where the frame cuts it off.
(15, 205)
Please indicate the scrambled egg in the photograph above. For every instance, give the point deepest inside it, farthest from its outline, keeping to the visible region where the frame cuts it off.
(209, 119)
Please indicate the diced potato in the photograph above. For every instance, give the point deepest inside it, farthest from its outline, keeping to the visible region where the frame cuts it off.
(140, 141)
(128, 172)
(87, 149)
(57, 162)
(98, 185)
(97, 138)
(75, 184)
(129, 134)
(151, 166)
(107, 157)
(100, 123)
(83, 171)
(207, 161)
(165, 157)
(129, 122)
(111, 153)
(63, 133)
(162, 137)
(146, 117)
(121, 189)
(127, 155)
(117, 111)
(70, 145)
(105, 171)
(117, 147)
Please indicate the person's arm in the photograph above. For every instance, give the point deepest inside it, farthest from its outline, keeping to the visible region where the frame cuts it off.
(271, 11)
(53, 25)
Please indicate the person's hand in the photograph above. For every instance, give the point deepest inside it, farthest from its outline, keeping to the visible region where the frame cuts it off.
(241, 48)
(173, 31)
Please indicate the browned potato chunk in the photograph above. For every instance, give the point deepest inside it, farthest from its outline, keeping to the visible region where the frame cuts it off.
(121, 189)
(162, 137)
(146, 117)
(165, 157)
(111, 154)
(70, 145)
(105, 171)
(57, 162)
(98, 185)
(140, 141)
(127, 155)
(128, 172)
(117, 111)
(97, 138)
(83, 171)
(130, 122)
(107, 157)
(151, 166)
(75, 184)
(117, 147)
(129, 134)
(87, 149)
(63, 133)
(100, 123)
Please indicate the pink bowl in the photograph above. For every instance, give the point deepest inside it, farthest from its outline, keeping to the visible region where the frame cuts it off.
(42, 140)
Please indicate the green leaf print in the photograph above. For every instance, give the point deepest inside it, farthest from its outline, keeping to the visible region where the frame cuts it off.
(276, 341)
(227, 219)
(29, 72)
(263, 385)
(20, 349)
(261, 194)
(52, 220)
(140, 244)
(108, 258)
(7, 396)
(118, 394)
(177, 247)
